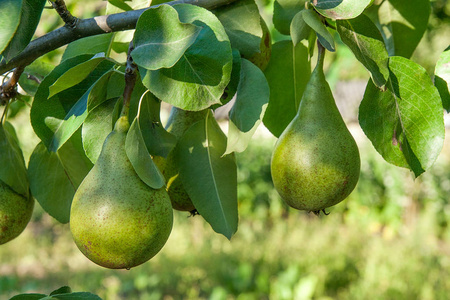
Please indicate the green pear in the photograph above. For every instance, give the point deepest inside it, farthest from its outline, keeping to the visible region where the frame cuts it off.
(179, 121)
(15, 213)
(315, 163)
(116, 220)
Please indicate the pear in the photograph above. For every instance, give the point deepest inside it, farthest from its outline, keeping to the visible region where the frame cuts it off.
(15, 213)
(179, 121)
(116, 220)
(315, 162)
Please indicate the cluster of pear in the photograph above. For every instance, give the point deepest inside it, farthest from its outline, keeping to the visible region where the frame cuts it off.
(315, 162)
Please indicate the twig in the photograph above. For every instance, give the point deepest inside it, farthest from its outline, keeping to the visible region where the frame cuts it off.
(64, 13)
(89, 27)
(130, 81)
(8, 89)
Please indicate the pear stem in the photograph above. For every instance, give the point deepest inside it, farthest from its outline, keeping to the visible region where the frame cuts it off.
(321, 54)
(130, 81)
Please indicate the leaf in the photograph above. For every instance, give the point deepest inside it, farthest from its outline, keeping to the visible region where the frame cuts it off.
(32, 296)
(10, 12)
(287, 75)
(101, 43)
(323, 35)
(158, 141)
(299, 29)
(232, 86)
(199, 78)
(283, 13)
(402, 24)
(33, 75)
(98, 124)
(75, 296)
(54, 177)
(404, 123)
(13, 171)
(62, 290)
(241, 21)
(442, 78)
(340, 9)
(74, 75)
(160, 39)
(29, 19)
(209, 178)
(54, 119)
(121, 4)
(140, 158)
(247, 112)
(366, 43)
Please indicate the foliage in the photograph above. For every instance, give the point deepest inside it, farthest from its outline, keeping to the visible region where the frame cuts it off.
(197, 59)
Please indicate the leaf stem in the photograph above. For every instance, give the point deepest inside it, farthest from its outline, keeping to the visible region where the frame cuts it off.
(8, 90)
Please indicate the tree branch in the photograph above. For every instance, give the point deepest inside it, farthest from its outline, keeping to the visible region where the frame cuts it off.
(89, 27)
(64, 13)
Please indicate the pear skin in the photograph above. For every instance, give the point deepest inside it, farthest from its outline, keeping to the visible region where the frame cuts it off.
(315, 162)
(15, 213)
(116, 220)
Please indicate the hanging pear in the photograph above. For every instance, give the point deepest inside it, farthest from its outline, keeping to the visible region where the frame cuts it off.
(15, 213)
(315, 163)
(116, 220)
(15, 208)
(179, 121)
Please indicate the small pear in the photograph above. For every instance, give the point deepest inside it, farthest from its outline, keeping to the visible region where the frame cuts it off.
(179, 121)
(116, 220)
(315, 163)
(15, 213)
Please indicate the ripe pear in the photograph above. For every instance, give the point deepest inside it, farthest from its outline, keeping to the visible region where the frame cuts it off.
(179, 121)
(116, 220)
(15, 213)
(315, 163)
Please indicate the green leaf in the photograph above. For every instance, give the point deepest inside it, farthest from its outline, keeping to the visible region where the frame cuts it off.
(89, 45)
(160, 39)
(199, 78)
(75, 296)
(340, 9)
(442, 78)
(54, 177)
(28, 297)
(299, 29)
(404, 123)
(99, 91)
(140, 158)
(287, 74)
(366, 43)
(74, 75)
(98, 124)
(10, 12)
(323, 35)
(232, 86)
(402, 24)
(29, 19)
(159, 142)
(209, 178)
(121, 4)
(55, 118)
(33, 75)
(13, 171)
(247, 112)
(241, 21)
(62, 290)
(283, 13)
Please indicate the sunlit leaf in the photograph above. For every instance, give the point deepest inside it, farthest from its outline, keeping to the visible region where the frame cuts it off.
(323, 35)
(340, 9)
(10, 11)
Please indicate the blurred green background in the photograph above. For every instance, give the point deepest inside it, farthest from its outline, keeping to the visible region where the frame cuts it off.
(389, 240)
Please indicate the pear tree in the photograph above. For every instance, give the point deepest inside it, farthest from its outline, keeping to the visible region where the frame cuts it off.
(105, 160)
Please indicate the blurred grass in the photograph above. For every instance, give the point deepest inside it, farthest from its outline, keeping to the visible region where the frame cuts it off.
(389, 240)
